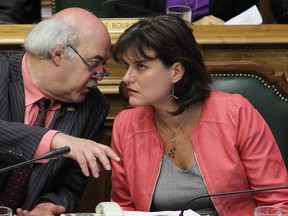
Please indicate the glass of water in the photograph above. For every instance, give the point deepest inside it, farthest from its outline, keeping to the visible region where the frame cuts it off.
(5, 211)
(182, 11)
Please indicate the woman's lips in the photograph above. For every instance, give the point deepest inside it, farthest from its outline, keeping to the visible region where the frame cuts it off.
(130, 91)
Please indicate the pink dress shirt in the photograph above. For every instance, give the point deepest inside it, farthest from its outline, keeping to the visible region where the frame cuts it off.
(32, 95)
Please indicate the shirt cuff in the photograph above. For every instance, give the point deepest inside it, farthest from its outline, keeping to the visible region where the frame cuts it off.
(44, 145)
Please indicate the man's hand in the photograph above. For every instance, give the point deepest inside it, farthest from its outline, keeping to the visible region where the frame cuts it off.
(209, 20)
(47, 209)
(85, 152)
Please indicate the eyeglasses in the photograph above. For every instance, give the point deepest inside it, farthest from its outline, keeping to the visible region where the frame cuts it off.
(91, 69)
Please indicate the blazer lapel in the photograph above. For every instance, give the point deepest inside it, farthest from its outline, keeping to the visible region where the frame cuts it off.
(64, 118)
(16, 89)
(17, 103)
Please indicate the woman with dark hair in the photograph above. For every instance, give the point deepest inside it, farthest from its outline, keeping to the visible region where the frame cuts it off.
(183, 139)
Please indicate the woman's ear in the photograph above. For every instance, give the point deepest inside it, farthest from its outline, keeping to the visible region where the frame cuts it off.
(178, 72)
(57, 55)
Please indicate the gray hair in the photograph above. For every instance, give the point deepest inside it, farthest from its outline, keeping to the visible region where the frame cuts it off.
(50, 34)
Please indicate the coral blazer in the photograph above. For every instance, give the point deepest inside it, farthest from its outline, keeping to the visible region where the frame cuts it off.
(233, 145)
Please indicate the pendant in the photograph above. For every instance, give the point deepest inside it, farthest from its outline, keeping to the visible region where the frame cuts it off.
(173, 148)
(172, 152)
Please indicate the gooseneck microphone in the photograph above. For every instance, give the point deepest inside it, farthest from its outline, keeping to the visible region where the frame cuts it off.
(52, 154)
(231, 193)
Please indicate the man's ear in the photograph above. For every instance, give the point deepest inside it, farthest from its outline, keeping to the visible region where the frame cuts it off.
(178, 71)
(57, 55)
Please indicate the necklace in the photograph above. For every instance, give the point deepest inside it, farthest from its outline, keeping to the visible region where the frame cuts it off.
(172, 149)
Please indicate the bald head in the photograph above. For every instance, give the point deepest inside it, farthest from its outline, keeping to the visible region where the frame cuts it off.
(68, 27)
(76, 16)
(80, 19)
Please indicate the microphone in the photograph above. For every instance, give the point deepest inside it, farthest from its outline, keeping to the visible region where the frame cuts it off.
(230, 193)
(132, 6)
(52, 154)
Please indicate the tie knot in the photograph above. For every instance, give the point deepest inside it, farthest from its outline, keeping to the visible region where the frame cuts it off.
(44, 103)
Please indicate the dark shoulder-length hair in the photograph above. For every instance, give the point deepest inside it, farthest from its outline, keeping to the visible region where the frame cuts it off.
(172, 40)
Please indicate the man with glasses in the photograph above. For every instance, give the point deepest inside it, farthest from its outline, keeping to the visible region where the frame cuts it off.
(53, 70)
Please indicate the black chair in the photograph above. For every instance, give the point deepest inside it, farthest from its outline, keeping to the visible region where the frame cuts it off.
(266, 90)
(20, 11)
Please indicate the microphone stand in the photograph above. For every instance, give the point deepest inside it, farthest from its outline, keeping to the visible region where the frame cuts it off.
(230, 193)
(52, 154)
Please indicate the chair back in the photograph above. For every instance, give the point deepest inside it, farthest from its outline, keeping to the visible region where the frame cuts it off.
(266, 90)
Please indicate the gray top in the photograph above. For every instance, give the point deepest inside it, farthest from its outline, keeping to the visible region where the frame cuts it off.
(176, 187)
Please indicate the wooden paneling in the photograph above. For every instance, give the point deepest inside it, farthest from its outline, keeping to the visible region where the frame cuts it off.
(265, 43)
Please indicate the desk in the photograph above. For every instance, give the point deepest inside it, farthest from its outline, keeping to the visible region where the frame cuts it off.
(263, 43)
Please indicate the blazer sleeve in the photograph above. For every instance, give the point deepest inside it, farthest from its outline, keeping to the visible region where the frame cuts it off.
(66, 182)
(260, 156)
(18, 141)
(120, 186)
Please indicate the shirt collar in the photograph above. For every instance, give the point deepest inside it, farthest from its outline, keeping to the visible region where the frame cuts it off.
(32, 92)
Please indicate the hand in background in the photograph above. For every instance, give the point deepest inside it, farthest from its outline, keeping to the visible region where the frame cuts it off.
(47, 209)
(85, 152)
(209, 20)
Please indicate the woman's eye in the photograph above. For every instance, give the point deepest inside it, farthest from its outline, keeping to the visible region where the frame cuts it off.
(141, 66)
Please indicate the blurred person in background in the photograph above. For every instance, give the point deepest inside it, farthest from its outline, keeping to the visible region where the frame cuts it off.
(279, 9)
(204, 12)
(20, 11)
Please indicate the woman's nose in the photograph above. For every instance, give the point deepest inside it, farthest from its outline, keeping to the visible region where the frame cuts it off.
(128, 77)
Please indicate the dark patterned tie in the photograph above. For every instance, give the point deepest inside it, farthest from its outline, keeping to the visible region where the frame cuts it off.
(14, 192)
(43, 104)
